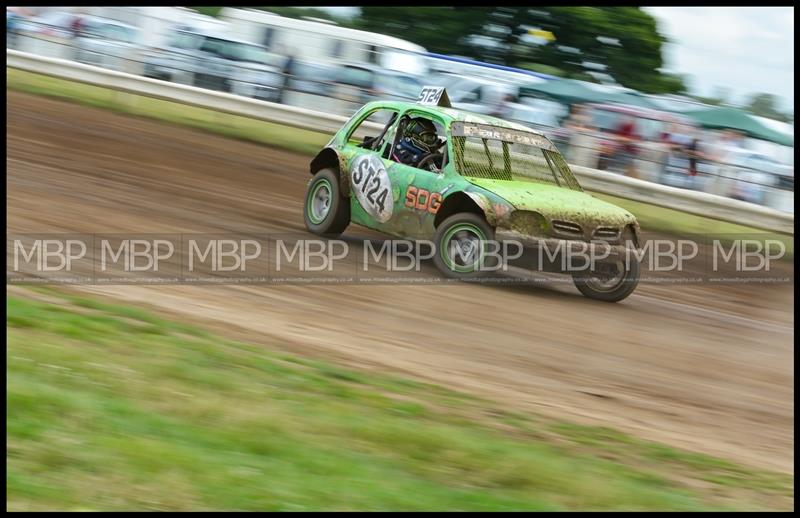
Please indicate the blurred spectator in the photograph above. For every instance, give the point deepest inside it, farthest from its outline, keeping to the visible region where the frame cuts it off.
(745, 175)
(503, 109)
(578, 126)
(76, 27)
(628, 138)
(677, 172)
(578, 118)
(726, 151)
(288, 68)
(694, 154)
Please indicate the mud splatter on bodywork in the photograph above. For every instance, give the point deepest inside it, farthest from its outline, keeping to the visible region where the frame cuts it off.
(526, 207)
(557, 204)
(344, 174)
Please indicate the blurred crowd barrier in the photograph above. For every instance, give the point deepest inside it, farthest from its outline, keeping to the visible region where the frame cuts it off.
(681, 157)
(721, 165)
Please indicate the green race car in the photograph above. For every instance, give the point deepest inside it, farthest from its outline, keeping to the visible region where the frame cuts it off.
(463, 181)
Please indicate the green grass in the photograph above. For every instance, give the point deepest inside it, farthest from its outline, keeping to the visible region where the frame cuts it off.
(673, 222)
(661, 219)
(292, 139)
(651, 217)
(113, 408)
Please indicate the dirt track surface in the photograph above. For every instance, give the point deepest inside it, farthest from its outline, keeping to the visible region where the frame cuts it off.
(702, 367)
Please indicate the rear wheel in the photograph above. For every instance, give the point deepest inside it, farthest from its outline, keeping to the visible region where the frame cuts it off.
(610, 281)
(326, 211)
(462, 244)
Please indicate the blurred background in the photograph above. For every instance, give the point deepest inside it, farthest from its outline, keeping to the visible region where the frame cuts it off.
(412, 395)
(581, 75)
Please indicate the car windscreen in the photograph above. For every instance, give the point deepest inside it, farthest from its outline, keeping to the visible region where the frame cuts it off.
(485, 151)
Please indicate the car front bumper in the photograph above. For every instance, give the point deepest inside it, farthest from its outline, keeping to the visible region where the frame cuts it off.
(555, 255)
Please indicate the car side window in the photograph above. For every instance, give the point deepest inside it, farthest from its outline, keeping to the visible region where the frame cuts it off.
(433, 159)
(372, 132)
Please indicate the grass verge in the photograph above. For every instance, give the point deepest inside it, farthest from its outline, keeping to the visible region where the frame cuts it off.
(673, 222)
(113, 408)
(651, 217)
(292, 139)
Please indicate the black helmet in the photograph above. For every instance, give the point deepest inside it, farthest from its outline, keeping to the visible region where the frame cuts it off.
(421, 134)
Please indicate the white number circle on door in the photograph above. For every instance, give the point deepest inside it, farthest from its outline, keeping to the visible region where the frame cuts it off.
(370, 183)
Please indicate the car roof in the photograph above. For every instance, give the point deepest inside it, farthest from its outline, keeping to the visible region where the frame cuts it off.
(452, 114)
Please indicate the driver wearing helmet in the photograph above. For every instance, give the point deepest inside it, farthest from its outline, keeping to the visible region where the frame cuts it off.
(419, 139)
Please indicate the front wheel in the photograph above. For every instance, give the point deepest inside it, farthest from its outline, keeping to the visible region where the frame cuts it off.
(463, 245)
(326, 211)
(610, 281)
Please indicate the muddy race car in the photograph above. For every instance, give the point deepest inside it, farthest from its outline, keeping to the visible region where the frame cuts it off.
(464, 181)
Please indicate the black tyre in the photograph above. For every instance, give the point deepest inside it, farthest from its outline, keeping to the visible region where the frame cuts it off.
(326, 211)
(610, 282)
(462, 242)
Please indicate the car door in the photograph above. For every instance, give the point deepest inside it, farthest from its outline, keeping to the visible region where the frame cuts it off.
(386, 195)
(372, 194)
(421, 191)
